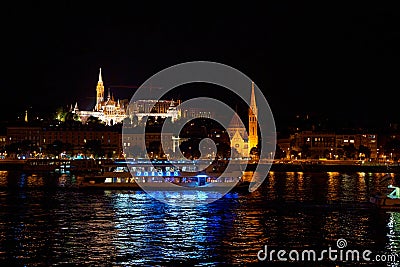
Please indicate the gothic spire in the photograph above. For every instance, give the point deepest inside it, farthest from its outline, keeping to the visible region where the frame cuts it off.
(253, 104)
(100, 78)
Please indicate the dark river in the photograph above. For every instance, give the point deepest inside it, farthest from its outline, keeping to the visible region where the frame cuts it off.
(45, 225)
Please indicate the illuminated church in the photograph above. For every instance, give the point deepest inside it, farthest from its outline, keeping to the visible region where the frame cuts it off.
(111, 111)
(108, 110)
(241, 140)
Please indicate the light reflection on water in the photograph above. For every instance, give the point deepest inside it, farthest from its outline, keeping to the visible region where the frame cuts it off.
(41, 224)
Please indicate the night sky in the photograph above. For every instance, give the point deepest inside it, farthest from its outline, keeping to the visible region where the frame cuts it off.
(338, 59)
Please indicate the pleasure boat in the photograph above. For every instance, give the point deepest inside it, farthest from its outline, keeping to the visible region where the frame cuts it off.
(387, 201)
(117, 175)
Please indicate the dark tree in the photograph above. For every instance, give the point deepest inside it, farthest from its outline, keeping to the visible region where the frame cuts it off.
(350, 151)
(305, 151)
(94, 121)
(154, 149)
(279, 152)
(94, 147)
(55, 148)
(190, 148)
(365, 151)
(224, 150)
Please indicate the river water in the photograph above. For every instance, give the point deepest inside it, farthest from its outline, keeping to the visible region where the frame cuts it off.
(44, 225)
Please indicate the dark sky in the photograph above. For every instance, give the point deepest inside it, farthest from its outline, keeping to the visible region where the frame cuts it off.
(339, 59)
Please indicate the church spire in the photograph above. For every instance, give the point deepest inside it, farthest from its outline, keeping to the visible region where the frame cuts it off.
(253, 124)
(100, 78)
(76, 107)
(99, 93)
(253, 104)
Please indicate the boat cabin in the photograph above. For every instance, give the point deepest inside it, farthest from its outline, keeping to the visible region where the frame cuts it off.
(395, 193)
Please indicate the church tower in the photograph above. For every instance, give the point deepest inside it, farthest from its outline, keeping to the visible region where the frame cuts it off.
(253, 135)
(99, 93)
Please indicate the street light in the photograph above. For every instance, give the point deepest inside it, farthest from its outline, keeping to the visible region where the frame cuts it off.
(377, 154)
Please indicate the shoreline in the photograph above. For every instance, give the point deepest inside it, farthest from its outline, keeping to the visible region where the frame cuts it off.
(275, 167)
(333, 168)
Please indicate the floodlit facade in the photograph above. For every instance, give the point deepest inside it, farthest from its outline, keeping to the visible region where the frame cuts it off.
(108, 110)
(241, 139)
(112, 111)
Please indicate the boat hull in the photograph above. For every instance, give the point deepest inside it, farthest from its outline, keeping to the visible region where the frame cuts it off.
(99, 182)
(384, 202)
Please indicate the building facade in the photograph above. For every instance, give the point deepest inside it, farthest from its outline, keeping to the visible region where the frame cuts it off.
(108, 110)
(253, 123)
(309, 144)
(38, 141)
(242, 140)
(153, 143)
(111, 111)
(238, 137)
(155, 108)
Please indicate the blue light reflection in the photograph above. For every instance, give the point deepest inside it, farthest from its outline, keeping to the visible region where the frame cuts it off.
(149, 229)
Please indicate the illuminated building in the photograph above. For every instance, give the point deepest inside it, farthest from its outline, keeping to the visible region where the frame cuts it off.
(109, 110)
(112, 111)
(154, 108)
(253, 113)
(241, 140)
(238, 136)
(332, 145)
